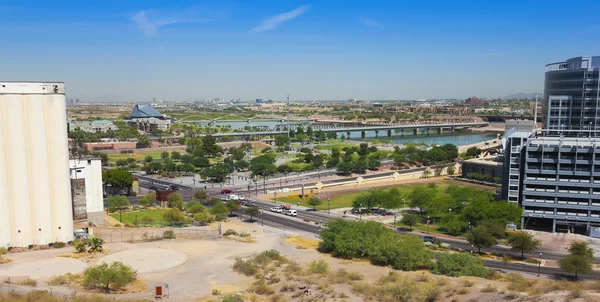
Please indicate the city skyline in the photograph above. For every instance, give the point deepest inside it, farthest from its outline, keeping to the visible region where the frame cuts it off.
(332, 50)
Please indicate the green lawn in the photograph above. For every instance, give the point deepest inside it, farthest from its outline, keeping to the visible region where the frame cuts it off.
(345, 201)
(129, 217)
(137, 155)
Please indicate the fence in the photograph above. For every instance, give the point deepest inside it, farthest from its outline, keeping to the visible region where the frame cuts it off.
(136, 235)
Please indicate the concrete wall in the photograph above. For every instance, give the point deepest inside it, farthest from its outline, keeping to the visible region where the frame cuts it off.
(91, 171)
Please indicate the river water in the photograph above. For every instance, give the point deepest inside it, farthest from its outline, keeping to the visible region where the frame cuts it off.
(458, 138)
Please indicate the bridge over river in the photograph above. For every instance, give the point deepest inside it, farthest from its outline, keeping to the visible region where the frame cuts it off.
(347, 127)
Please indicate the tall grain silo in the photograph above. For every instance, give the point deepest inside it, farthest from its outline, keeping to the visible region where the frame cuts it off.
(35, 195)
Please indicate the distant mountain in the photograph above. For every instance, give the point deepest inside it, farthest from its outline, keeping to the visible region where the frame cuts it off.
(521, 95)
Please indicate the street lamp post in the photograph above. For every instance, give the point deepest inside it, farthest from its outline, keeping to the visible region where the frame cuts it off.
(262, 217)
(395, 220)
(540, 264)
(427, 224)
(329, 206)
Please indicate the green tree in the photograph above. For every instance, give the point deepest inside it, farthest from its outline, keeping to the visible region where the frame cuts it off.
(218, 172)
(147, 220)
(219, 209)
(582, 249)
(233, 205)
(118, 178)
(175, 200)
(450, 170)
(523, 242)
(282, 140)
(480, 236)
(165, 155)
(410, 220)
(314, 201)
(204, 218)
(174, 216)
(118, 202)
(175, 155)
(200, 162)
(200, 195)
(108, 276)
(309, 131)
(143, 141)
(420, 196)
(579, 260)
(473, 152)
(210, 147)
(252, 211)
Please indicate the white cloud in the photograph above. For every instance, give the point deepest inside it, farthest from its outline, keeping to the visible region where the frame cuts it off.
(277, 20)
(369, 22)
(150, 21)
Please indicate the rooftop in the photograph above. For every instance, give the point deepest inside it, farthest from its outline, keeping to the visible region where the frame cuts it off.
(144, 111)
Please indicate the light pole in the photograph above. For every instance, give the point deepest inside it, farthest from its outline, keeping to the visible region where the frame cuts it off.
(395, 220)
(427, 224)
(540, 264)
(262, 217)
(329, 206)
(404, 200)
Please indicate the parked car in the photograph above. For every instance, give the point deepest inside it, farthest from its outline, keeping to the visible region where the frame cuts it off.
(242, 197)
(233, 197)
(429, 239)
(226, 191)
(276, 209)
(252, 204)
(291, 213)
(242, 202)
(174, 187)
(224, 198)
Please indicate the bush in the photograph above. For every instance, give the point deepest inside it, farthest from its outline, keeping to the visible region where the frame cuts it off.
(230, 232)
(216, 292)
(147, 220)
(3, 250)
(460, 264)
(61, 280)
(168, 234)
(260, 287)
(58, 245)
(245, 267)
(108, 276)
(232, 298)
(519, 283)
(372, 240)
(28, 282)
(318, 267)
(489, 289)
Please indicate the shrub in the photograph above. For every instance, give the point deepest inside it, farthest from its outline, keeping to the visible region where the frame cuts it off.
(318, 267)
(61, 280)
(260, 287)
(147, 220)
(230, 232)
(460, 264)
(3, 250)
(168, 234)
(245, 267)
(432, 293)
(489, 289)
(216, 292)
(28, 282)
(462, 291)
(106, 276)
(467, 283)
(232, 298)
(519, 283)
(58, 245)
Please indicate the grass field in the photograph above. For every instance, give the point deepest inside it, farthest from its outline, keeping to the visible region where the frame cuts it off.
(345, 200)
(112, 158)
(129, 217)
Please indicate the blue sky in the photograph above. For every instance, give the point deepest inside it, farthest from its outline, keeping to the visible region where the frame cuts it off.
(138, 50)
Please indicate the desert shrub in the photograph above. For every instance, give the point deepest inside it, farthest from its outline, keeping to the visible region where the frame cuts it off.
(462, 291)
(58, 245)
(80, 246)
(260, 287)
(62, 279)
(147, 220)
(230, 232)
(108, 276)
(466, 283)
(127, 225)
(216, 292)
(431, 293)
(460, 264)
(245, 267)
(287, 287)
(267, 257)
(28, 282)
(118, 225)
(244, 234)
(3, 250)
(519, 283)
(489, 289)
(422, 278)
(318, 267)
(232, 298)
(168, 234)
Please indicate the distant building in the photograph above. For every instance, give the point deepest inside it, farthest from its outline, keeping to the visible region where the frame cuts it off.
(93, 126)
(147, 119)
(102, 146)
(259, 101)
(86, 190)
(474, 101)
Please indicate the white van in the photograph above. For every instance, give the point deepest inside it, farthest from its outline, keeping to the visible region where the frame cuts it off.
(291, 213)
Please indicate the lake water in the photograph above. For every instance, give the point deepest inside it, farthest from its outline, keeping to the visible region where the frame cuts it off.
(458, 138)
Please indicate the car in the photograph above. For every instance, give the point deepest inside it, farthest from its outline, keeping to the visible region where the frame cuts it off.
(233, 197)
(291, 213)
(174, 187)
(242, 197)
(224, 198)
(287, 207)
(226, 191)
(429, 239)
(242, 202)
(252, 204)
(276, 209)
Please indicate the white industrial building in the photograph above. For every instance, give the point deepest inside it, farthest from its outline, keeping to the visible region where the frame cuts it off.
(86, 190)
(35, 193)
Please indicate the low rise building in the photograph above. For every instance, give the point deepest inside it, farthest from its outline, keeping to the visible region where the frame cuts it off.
(101, 146)
(147, 119)
(93, 126)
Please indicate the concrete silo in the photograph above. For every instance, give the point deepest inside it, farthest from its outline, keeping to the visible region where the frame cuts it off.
(35, 195)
